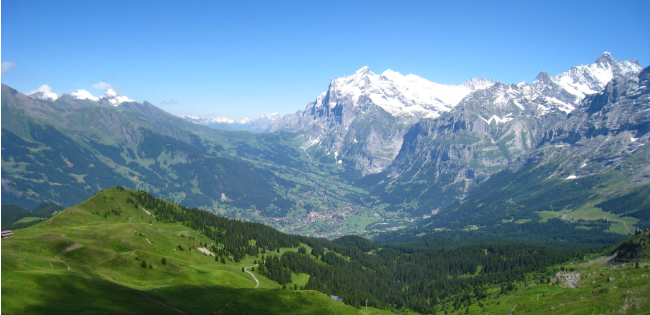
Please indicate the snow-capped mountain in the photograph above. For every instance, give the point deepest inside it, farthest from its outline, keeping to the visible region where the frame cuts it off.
(399, 95)
(83, 95)
(114, 99)
(362, 118)
(110, 97)
(566, 90)
(488, 129)
(596, 158)
(255, 124)
(609, 131)
(449, 137)
(44, 92)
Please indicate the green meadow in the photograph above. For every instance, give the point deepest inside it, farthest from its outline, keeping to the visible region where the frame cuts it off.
(103, 256)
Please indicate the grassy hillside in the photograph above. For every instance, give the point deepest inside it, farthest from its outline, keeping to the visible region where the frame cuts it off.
(599, 284)
(89, 259)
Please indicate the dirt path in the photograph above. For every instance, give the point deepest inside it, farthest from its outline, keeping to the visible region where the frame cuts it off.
(149, 213)
(152, 299)
(256, 281)
(621, 221)
(625, 225)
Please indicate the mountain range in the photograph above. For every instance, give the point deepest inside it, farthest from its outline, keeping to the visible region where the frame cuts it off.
(372, 154)
(256, 124)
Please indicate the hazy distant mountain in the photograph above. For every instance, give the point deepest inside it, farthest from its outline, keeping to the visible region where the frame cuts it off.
(257, 124)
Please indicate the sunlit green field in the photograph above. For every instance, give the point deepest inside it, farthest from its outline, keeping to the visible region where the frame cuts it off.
(88, 260)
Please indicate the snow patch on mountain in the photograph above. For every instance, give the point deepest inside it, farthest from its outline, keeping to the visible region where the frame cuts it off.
(109, 98)
(497, 119)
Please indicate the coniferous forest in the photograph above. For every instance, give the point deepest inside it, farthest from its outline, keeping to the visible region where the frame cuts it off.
(356, 270)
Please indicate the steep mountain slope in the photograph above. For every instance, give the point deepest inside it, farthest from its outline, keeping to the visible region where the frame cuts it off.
(442, 159)
(360, 121)
(64, 151)
(590, 171)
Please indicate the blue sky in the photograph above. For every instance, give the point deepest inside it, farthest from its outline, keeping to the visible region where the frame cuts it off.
(243, 58)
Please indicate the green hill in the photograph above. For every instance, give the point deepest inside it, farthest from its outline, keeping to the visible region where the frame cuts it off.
(89, 259)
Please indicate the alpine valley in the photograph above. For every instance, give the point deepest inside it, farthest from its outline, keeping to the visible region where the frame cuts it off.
(374, 153)
(388, 192)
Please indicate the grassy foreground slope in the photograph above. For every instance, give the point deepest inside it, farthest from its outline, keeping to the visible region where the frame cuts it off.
(105, 256)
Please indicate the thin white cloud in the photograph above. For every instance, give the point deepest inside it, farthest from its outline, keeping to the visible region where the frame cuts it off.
(7, 65)
(102, 85)
(168, 101)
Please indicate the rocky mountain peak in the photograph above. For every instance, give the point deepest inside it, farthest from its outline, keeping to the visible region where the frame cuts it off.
(44, 92)
(544, 77)
(478, 83)
(605, 59)
(363, 70)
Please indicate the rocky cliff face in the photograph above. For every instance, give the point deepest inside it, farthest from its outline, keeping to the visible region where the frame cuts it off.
(608, 132)
(442, 158)
(598, 157)
(362, 118)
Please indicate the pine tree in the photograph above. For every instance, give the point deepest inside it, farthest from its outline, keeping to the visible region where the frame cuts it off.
(163, 261)
(144, 264)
